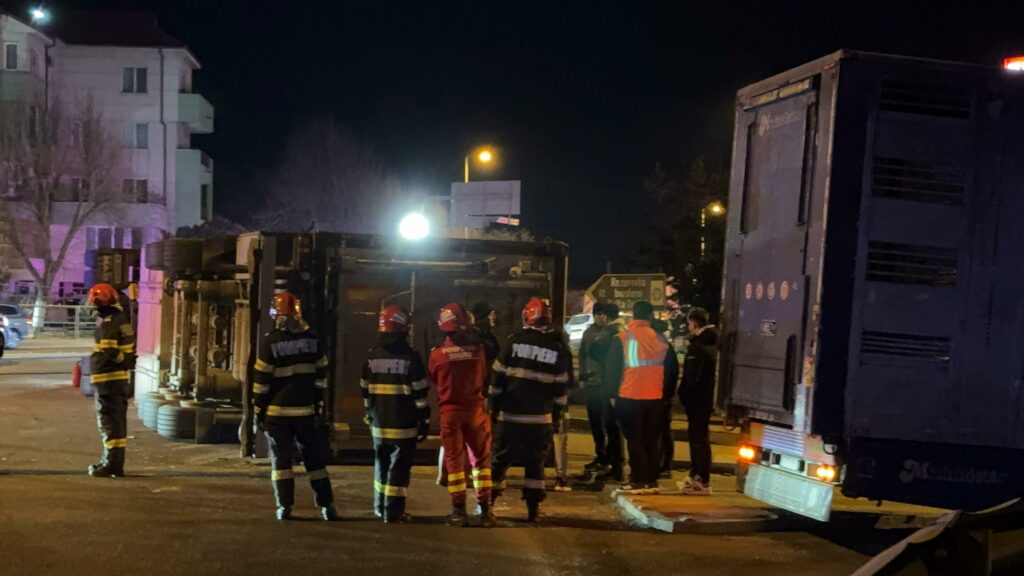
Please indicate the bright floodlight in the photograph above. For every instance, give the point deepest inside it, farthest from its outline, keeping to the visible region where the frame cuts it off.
(414, 226)
(486, 156)
(39, 15)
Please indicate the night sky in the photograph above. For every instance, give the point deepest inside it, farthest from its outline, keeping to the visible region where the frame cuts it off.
(581, 99)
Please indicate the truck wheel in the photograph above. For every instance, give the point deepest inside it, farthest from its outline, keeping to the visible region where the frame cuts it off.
(150, 412)
(153, 256)
(183, 255)
(176, 422)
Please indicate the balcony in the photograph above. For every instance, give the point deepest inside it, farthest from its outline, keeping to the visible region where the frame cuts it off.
(197, 112)
(193, 186)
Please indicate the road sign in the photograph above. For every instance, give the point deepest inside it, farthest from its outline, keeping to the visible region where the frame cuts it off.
(624, 290)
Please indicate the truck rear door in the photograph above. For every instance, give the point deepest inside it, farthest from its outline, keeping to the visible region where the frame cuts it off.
(766, 279)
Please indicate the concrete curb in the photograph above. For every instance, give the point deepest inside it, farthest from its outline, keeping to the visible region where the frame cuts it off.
(756, 520)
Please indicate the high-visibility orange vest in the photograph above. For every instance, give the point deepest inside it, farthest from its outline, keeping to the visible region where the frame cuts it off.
(643, 366)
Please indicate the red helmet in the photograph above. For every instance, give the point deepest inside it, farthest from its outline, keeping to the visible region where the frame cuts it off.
(103, 295)
(453, 318)
(536, 313)
(285, 304)
(394, 319)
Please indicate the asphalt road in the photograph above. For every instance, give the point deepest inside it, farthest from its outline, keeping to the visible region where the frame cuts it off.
(197, 510)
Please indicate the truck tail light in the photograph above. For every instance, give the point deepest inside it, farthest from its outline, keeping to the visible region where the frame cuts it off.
(747, 453)
(825, 473)
(1015, 64)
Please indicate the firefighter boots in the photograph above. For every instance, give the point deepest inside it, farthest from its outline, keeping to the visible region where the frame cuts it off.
(399, 519)
(103, 471)
(487, 519)
(458, 516)
(284, 512)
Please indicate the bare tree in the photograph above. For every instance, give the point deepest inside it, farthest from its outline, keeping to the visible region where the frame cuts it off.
(328, 181)
(56, 168)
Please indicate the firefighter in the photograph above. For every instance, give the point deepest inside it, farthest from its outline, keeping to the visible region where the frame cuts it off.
(394, 386)
(529, 392)
(458, 368)
(112, 359)
(291, 378)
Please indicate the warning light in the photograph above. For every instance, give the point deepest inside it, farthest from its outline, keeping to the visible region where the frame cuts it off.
(825, 473)
(747, 453)
(1015, 64)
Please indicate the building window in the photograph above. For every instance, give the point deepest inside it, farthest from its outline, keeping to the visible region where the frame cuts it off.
(136, 238)
(79, 190)
(204, 200)
(136, 136)
(33, 60)
(10, 56)
(136, 191)
(134, 81)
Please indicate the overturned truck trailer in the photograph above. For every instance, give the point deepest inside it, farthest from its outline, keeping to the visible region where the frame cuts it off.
(225, 286)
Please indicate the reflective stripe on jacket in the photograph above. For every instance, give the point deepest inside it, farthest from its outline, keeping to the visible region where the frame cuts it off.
(643, 359)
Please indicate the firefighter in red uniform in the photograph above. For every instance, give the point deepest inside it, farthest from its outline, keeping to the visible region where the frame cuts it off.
(291, 378)
(458, 368)
(394, 385)
(529, 391)
(112, 358)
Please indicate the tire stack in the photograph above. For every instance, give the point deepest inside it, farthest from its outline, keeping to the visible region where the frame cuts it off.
(85, 385)
(176, 422)
(182, 256)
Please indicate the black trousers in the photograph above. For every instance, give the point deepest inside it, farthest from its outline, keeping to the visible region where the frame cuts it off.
(526, 443)
(615, 447)
(596, 415)
(392, 468)
(112, 419)
(284, 435)
(668, 443)
(699, 418)
(641, 423)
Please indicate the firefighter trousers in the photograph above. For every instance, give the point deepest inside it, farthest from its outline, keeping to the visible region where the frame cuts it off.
(112, 419)
(462, 431)
(525, 443)
(285, 434)
(392, 468)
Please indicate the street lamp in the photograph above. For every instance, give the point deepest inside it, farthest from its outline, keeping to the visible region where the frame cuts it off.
(714, 209)
(484, 156)
(39, 15)
(414, 226)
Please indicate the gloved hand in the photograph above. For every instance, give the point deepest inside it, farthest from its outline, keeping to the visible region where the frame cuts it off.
(367, 420)
(424, 430)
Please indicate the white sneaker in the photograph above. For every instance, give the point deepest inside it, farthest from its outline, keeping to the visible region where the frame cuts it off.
(562, 486)
(631, 489)
(694, 487)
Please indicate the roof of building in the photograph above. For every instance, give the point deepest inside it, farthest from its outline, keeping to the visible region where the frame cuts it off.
(110, 28)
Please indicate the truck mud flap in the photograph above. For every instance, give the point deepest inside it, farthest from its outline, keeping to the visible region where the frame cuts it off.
(790, 492)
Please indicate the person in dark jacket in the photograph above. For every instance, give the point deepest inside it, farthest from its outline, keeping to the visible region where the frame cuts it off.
(485, 319)
(112, 360)
(590, 372)
(667, 443)
(394, 385)
(697, 394)
(289, 385)
(598, 353)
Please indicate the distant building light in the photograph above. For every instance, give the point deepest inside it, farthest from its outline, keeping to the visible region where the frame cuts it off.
(39, 15)
(508, 221)
(1015, 64)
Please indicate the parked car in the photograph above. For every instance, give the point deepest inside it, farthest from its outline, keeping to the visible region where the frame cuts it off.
(14, 324)
(575, 328)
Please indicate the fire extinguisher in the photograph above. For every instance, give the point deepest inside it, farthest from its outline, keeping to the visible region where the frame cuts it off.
(76, 375)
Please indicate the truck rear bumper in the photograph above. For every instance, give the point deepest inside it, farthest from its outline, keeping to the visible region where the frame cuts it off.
(792, 492)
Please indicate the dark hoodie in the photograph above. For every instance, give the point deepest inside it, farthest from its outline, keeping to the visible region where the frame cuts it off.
(698, 387)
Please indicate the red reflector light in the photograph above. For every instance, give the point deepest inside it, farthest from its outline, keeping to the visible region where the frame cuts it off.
(1015, 64)
(747, 453)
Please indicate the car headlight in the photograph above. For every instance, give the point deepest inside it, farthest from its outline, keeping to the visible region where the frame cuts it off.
(6, 322)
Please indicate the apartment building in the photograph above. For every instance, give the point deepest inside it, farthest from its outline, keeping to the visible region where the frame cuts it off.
(139, 80)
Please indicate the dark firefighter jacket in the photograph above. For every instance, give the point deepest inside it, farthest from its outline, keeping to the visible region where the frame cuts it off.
(394, 386)
(114, 353)
(291, 373)
(531, 377)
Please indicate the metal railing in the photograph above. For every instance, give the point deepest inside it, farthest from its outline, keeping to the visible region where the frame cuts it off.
(61, 320)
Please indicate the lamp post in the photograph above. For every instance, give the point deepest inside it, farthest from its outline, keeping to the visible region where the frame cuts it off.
(484, 156)
(714, 209)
